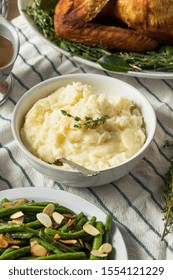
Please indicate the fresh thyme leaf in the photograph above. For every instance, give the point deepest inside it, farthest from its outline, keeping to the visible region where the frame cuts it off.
(168, 197)
(88, 122)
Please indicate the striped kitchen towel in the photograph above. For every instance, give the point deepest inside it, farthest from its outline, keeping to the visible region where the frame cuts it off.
(135, 201)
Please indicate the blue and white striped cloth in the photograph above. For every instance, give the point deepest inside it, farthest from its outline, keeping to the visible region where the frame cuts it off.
(135, 201)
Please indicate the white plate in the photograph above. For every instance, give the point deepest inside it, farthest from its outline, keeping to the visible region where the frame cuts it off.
(22, 4)
(74, 203)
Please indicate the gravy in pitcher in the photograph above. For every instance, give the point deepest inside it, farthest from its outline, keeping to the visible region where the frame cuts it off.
(6, 51)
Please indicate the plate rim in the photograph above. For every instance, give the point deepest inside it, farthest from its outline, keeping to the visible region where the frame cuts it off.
(48, 194)
(143, 74)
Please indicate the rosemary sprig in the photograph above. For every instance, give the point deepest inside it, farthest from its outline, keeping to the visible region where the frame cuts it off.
(88, 122)
(168, 197)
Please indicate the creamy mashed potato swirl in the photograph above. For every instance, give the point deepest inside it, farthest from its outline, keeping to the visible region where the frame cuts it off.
(50, 135)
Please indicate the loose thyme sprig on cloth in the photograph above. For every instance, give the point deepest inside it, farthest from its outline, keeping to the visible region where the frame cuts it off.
(168, 197)
(88, 122)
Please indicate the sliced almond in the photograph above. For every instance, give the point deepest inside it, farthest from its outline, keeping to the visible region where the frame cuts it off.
(57, 236)
(69, 216)
(57, 217)
(32, 243)
(15, 246)
(19, 201)
(4, 242)
(105, 248)
(7, 204)
(68, 241)
(49, 209)
(18, 221)
(44, 219)
(96, 253)
(91, 230)
(88, 246)
(69, 223)
(17, 215)
(81, 241)
(38, 250)
(14, 203)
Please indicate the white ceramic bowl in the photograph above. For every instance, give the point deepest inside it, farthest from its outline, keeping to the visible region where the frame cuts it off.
(104, 84)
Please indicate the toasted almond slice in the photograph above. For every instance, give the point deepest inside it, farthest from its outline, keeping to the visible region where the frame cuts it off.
(68, 241)
(32, 243)
(105, 248)
(44, 219)
(17, 215)
(14, 242)
(38, 250)
(69, 216)
(18, 221)
(19, 201)
(3, 241)
(15, 246)
(91, 230)
(69, 223)
(57, 217)
(57, 236)
(81, 241)
(96, 253)
(88, 246)
(49, 209)
(7, 204)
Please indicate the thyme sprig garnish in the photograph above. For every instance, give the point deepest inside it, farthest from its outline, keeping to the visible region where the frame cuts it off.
(88, 122)
(168, 196)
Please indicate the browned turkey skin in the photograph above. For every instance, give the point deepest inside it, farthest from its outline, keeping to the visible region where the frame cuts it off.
(74, 20)
(151, 17)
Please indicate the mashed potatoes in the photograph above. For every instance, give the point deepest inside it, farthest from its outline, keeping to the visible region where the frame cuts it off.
(49, 134)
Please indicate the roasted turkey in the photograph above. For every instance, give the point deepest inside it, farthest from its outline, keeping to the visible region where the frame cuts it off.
(151, 17)
(122, 25)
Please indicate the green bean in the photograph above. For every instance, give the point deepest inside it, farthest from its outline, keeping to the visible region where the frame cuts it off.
(39, 203)
(14, 255)
(66, 235)
(63, 210)
(80, 224)
(2, 250)
(35, 224)
(47, 245)
(22, 235)
(70, 235)
(66, 228)
(97, 241)
(4, 228)
(27, 258)
(65, 256)
(24, 208)
(108, 226)
(7, 250)
(4, 200)
(56, 243)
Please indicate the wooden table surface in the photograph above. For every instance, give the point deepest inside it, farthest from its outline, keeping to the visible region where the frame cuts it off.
(13, 10)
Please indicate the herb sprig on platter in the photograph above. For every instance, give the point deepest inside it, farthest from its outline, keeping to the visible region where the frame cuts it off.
(42, 12)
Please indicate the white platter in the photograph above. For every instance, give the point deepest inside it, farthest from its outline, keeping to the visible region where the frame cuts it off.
(22, 4)
(73, 202)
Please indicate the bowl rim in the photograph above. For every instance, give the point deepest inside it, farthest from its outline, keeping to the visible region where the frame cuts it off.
(78, 75)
